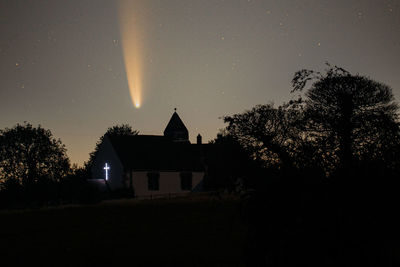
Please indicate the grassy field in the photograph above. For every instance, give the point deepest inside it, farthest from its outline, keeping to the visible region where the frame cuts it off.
(176, 232)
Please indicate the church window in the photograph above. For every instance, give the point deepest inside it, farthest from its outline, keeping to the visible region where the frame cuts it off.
(153, 181)
(186, 180)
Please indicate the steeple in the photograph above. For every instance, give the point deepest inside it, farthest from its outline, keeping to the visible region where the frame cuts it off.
(176, 129)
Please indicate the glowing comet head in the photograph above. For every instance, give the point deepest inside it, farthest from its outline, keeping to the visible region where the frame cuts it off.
(131, 30)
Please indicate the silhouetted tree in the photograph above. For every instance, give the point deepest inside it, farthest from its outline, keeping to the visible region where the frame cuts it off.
(32, 162)
(29, 154)
(117, 130)
(351, 117)
(270, 134)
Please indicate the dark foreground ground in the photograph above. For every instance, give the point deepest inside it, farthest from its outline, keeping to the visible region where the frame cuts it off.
(278, 228)
(180, 232)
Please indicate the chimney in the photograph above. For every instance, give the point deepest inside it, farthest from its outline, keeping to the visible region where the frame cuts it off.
(199, 139)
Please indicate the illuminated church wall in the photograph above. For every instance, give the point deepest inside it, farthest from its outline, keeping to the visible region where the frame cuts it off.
(169, 183)
(107, 154)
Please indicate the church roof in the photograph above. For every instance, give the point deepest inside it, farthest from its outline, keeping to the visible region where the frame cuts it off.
(175, 124)
(151, 152)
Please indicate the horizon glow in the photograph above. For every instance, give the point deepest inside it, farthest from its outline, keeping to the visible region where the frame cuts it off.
(130, 20)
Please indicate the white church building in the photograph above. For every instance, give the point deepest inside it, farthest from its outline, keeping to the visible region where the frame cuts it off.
(151, 165)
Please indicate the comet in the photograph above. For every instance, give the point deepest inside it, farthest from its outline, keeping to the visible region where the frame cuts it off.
(132, 37)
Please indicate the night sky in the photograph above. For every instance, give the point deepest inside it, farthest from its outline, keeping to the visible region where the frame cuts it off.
(64, 64)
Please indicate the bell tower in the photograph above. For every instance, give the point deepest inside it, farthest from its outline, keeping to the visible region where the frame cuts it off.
(176, 129)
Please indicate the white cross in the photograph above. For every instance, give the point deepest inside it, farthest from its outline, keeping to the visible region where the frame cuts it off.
(106, 168)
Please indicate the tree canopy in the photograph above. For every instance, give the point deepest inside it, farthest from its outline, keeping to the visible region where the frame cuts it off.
(29, 154)
(269, 133)
(340, 120)
(117, 130)
(353, 116)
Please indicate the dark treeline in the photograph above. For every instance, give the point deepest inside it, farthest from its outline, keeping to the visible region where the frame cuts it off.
(326, 180)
